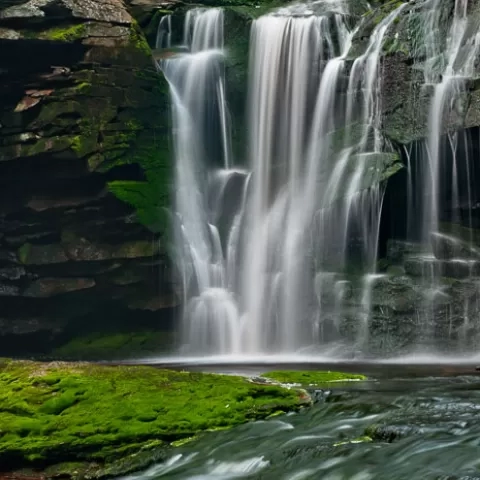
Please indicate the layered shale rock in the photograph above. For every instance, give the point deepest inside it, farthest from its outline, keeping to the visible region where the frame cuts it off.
(83, 140)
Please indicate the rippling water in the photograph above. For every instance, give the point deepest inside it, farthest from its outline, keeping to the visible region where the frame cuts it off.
(423, 429)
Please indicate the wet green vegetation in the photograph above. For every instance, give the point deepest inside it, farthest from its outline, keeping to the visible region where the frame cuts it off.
(311, 378)
(53, 413)
(114, 346)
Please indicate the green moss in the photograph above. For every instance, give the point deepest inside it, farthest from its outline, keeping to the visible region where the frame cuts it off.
(145, 141)
(83, 87)
(23, 252)
(66, 34)
(148, 198)
(85, 143)
(311, 378)
(55, 413)
(184, 441)
(106, 346)
(138, 40)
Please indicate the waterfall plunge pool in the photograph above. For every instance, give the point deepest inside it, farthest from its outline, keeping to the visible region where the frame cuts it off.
(415, 365)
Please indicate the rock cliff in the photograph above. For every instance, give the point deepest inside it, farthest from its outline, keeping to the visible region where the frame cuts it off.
(83, 140)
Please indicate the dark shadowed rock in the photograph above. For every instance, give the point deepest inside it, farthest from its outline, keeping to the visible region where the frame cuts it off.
(83, 123)
(48, 287)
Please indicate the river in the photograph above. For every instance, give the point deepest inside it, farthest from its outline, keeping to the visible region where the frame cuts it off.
(425, 428)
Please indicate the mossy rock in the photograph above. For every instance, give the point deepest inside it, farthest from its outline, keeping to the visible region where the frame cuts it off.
(70, 33)
(110, 346)
(52, 413)
(311, 378)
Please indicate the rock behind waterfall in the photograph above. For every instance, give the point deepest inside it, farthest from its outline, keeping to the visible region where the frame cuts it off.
(446, 247)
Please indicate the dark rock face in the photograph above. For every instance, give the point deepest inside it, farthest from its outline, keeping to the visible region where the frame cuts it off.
(406, 99)
(83, 113)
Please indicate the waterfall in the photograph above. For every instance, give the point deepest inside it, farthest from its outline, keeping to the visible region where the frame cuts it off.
(302, 189)
(283, 192)
(260, 249)
(164, 32)
(278, 245)
(450, 63)
(201, 141)
(462, 49)
(264, 251)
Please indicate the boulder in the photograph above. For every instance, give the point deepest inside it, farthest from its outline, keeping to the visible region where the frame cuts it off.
(447, 247)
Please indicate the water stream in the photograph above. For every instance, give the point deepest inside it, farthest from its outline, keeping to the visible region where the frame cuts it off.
(450, 63)
(306, 205)
(426, 428)
(278, 249)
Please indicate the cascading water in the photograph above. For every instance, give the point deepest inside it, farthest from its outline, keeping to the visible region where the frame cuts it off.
(462, 49)
(199, 119)
(299, 174)
(264, 255)
(450, 63)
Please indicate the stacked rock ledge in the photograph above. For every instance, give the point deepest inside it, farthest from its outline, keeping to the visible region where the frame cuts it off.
(84, 174)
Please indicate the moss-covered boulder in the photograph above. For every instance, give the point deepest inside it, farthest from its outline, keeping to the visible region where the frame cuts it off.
(101, 417)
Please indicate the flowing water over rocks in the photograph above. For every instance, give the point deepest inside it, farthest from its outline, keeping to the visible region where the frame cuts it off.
(278, 244)
(398, 429)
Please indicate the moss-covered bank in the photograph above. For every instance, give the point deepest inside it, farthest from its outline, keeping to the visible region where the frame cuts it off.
(112, 419)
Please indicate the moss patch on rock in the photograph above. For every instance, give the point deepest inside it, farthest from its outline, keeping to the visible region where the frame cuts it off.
(70, 33)
(52, 413)
(105, 346)
(313, 378)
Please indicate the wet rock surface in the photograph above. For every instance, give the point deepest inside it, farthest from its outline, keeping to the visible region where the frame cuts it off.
(83, 123)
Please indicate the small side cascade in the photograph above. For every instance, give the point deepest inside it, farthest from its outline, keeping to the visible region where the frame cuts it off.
(201, 141)
(164, 33)
(447, 199)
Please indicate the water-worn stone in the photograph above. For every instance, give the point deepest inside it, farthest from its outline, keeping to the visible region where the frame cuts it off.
(430, 267)
(397, 250)
(446, 247)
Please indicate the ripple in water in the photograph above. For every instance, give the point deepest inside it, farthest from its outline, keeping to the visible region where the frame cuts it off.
(425, 429)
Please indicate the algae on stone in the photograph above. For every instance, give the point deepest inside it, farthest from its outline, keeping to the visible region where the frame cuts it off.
(311, 378)
(66, 34)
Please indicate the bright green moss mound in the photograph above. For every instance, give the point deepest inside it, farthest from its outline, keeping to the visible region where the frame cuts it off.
(66, 412)
(312, 378)
(66, 34)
